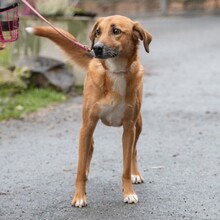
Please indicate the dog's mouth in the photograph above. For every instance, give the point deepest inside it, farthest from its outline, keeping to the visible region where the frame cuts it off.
(101, 51)
(106, 55)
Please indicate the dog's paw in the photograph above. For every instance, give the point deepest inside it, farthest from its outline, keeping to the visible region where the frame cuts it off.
(79, 202)
(137, 179)
(132, 198)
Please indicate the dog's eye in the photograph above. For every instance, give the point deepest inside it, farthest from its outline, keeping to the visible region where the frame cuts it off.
(98, 32)
(116, 31)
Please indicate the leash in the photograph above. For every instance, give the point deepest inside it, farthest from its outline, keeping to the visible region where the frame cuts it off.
(84, 47)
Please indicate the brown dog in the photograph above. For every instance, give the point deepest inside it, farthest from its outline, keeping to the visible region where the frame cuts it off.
(112, 93)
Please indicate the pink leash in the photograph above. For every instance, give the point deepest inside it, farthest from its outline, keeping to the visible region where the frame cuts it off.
(84, 47)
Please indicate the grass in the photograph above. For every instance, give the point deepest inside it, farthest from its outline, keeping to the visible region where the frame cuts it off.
(16, 104)
(5, 56)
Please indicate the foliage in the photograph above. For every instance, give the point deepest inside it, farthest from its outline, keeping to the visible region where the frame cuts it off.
(19, 78)
(16, 103)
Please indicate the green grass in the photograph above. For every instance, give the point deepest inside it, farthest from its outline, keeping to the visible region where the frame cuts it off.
(4, 61)
(16, 104)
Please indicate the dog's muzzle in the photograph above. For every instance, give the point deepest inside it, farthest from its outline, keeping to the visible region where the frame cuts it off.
(101, 51)
(98, 49)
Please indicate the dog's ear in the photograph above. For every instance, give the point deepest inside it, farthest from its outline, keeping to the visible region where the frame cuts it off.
(92, 35)
(140, 33)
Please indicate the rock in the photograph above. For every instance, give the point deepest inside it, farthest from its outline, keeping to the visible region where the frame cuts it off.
(48, 72)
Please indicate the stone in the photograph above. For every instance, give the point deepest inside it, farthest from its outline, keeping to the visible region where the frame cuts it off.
(48, 72)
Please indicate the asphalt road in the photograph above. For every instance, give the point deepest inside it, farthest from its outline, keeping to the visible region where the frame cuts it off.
(179, 150)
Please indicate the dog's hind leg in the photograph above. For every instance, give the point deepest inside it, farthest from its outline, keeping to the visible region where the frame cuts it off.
(135, 174)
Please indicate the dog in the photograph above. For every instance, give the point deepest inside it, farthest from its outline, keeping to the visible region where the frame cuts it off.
(112, 92)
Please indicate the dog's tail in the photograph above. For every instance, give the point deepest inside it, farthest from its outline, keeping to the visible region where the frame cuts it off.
(78, 55)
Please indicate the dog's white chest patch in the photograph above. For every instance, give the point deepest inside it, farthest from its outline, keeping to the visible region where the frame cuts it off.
(112, 112)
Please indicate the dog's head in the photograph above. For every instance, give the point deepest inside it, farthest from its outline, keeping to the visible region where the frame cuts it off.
(117, 35)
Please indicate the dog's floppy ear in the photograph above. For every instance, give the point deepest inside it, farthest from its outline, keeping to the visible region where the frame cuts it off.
(92, 35)
(140, 33)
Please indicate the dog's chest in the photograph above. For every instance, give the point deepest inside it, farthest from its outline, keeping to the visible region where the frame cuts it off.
(112, 111)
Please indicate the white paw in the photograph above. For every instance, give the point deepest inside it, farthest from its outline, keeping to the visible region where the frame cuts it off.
(136, 179)
(132, 198)
(80, 203)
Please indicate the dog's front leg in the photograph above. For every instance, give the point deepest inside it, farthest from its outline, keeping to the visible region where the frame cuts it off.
(86, 133)
(128, 142)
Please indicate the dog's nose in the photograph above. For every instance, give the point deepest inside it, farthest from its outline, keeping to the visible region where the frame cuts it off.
(98, 49)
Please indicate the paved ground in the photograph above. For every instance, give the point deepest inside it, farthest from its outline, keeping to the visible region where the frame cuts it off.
(179, 149)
